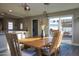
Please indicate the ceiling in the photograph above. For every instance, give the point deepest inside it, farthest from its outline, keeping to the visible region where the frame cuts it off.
(36, 8)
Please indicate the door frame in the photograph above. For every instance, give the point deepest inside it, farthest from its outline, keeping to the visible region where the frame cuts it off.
(32, 26)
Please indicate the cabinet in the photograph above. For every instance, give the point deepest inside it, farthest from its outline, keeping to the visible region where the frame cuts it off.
(20, 34)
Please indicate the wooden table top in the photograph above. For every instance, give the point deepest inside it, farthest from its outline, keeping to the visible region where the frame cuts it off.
(36, 42)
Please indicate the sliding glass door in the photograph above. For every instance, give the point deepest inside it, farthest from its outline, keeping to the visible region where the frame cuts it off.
(63, 23)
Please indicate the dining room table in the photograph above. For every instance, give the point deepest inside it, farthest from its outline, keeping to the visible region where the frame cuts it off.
(35, 42)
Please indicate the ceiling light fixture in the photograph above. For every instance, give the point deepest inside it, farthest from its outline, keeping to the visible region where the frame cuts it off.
(45, 9)
(26, 7)
(10, 10)
(2, 14)
(46, 3)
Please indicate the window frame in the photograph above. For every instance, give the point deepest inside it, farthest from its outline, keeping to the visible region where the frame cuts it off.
(10, 25)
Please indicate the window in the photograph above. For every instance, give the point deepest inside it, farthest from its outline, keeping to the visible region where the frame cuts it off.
(54, 23)
(67, 25)
(21, 26)
(10, 25)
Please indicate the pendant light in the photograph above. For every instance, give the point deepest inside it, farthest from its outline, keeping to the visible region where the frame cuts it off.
(26, 7)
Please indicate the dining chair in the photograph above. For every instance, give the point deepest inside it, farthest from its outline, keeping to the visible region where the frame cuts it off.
(55, 44)
(15, 47)
(13, 44)
(4, 50)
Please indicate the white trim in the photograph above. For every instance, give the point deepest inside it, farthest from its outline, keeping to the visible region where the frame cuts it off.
(72, 27)
(69, 42)
(75, 44)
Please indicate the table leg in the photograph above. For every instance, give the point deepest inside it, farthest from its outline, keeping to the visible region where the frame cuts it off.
(39, 52)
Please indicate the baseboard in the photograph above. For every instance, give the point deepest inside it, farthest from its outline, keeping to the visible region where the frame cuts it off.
(75, 44)
(70, 43)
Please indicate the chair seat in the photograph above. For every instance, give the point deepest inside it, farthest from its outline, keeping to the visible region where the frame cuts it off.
(28, 52)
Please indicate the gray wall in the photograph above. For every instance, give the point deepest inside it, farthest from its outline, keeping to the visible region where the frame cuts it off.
(76, 27)
(27, 22)
(44, 20)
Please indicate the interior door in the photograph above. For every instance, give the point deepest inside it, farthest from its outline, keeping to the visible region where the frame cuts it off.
(1, 24)
(35, 28)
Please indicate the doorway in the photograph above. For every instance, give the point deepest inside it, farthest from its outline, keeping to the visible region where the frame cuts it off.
(35, 27)
(1, 24)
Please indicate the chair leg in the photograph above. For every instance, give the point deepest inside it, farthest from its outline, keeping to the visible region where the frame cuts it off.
(58, 50)
(55, 53)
